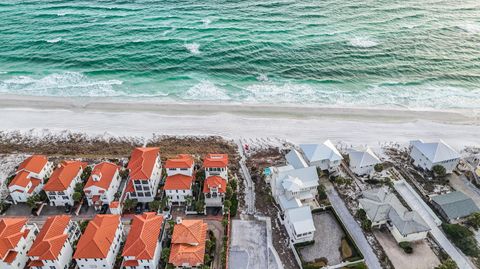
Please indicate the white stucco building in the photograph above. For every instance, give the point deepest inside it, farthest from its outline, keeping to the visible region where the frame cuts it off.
(216, 165)
(29, 178)
(324, 156)
(143, 244)
(102, 184)
(178, 188)
(17, 237)
(53, 247)
(299, 224)
(100, 243)
(145, 168)
(61, 185)
(427, 155)
(362, 161)
(214, 189)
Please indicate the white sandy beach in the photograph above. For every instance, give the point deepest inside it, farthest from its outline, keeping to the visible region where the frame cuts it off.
(296, 124)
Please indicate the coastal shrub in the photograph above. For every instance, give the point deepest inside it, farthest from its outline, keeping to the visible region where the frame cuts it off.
(474, 220)
(345, 249)
(86, 173)
(439, 170)
(447, 264)
(322, 194)
(378, 167)
(77, 196)
(154, 205)
(463, 238)
(406, 246)
(165, 254)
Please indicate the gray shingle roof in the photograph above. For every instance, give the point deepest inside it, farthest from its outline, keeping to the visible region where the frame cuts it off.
(456, 204)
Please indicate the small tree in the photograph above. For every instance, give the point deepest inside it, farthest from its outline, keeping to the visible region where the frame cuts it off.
(83, 225)
(32, 200)
(378, 167)
(439, 170)
(200, 206)
(77, 196)
(79, 187)
(155, 205)
(128, 204)
(226, 205)
(474, 220)
(86, 173)
(165, 254)
(322, 194)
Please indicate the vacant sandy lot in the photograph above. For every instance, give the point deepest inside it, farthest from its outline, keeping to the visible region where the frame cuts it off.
(421, 258)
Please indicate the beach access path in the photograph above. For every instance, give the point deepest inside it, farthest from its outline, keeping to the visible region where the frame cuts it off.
(352, 226)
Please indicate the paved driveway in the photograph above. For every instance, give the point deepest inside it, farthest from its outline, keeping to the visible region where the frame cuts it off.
(248, 247)
(353, 228)
(417, 204)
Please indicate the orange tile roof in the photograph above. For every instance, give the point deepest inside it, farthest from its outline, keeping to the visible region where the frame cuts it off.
(188, 243)
(35, 183)
(106, 171)
(10, 257)
(34, 163)
(215, 160)
(37, 263)
(178, 182)
(215, 181)
(21, 179)
(98, 237)
(143, 236)
(50, 240)
(10, 234)
(142, 161)
(182, 161)
(62, 176)
(132, 263)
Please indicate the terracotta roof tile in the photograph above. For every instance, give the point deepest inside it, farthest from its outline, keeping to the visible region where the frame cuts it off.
(182, 161)
(106, 171)
(98, 237)
(63, 176)
(34, 163)
(188, 243)
(10, 234)
(50, 240)
(215, 181)
(10, 257)
(178, 182)
(215, 160)
(143, 236)
(142, 161)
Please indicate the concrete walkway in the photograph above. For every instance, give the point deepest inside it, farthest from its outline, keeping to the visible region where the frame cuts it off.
(352, 226)
(417, 204)
(249, 186)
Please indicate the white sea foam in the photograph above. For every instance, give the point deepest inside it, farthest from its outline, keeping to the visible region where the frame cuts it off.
(280, 93)
(167, 32)
(194, 48)
(206, 91)
(470, 28)
(362, 42)
(55, 40)
(262, 77)
(206, 22)
(61, 14)
(63, 84)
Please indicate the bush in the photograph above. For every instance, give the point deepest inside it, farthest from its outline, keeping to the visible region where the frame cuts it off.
(154, 205)
(448, 264)
(474, 220)
(378, 167)
(406, 246)
(463, 238)
(86, 173)
(439, 170)
(322, 194)
(345, 249)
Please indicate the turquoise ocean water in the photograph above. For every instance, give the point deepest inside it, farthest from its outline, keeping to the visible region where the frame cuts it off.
(387, 53)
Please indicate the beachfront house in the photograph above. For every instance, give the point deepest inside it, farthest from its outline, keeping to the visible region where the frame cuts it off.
(299, 224)
(145, 173)
(362, 161)
(384, 209)
(16, 237)
(178, 188)
(188, 243)
(427, 155)
(29, 178)
(100, 243)
(324, 156)
(214, 189)
(182, 164)
(102, 185)
(53, 247)
(143, 245)
(454, 206)
(61, 185)
(216, 165)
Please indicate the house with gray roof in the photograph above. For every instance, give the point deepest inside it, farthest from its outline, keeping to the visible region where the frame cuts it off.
(427, 155)
(324, 156)
(362, 161)
(383, 208)
(454, 206)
